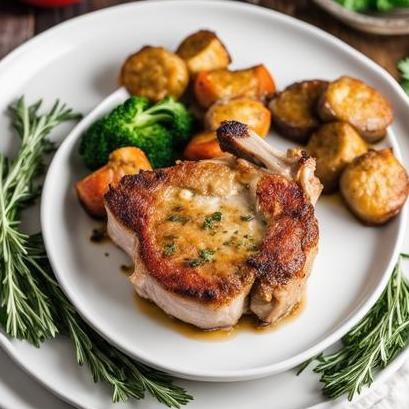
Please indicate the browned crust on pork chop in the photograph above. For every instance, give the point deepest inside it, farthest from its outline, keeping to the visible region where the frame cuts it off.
(133, 202)
(292, 231)
(291, 227)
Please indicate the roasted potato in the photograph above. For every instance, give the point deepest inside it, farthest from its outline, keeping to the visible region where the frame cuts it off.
(155, 73)
(375, 186)
(255, 82)
(122, 161)
(204, 145)
(294, 109)
(203, 51)
(334, 145)
(249, 111)
(351, 100)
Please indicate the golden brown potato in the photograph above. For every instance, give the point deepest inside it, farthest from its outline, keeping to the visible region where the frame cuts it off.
(375, 186)
(203, 51)
(155, 73)
(204, 145)
(351, 100)
(255, 82)
(122, 161)
(249, 111)
(294, 109)
(334, 145)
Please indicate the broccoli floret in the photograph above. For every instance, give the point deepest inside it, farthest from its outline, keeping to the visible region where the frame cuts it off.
(159, 130)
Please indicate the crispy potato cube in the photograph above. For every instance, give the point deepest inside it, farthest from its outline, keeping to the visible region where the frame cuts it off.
(255, 82)
(334, 145)
(375, 186)
(204, 145)
(91, 189)
(203, 51)
(246, 110)
(154, 73)
(351, 100)
(294, 109)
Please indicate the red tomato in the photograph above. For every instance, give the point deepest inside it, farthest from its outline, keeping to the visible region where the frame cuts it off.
(50, 3)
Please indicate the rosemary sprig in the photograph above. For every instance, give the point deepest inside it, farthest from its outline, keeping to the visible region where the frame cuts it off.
(128, 378)
(371, 345)
(32, 305)
(27, 308)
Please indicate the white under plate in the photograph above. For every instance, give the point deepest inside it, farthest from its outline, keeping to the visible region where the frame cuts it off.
(53, 366)
(354, 261)
(78, 62)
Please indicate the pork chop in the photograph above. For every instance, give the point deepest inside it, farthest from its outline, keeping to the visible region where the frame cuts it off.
(214, 239)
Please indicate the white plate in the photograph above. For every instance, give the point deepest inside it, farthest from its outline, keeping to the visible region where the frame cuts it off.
(53, 366)
(35, 69)
(354, 262)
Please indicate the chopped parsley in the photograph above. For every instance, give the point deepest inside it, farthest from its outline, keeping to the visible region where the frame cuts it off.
(193, 262)
(210, 220)
(169, 249)
(247, 242)
(205, 256)
(217, 216)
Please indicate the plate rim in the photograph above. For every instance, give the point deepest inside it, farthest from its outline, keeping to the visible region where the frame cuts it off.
(209, 375)
(383, 375)
(256, 372)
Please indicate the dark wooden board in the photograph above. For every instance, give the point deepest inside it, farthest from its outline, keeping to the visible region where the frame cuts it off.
(19, 22)
(16, 25)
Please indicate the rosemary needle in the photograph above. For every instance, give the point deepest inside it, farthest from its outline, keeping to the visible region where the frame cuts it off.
(371, 345)
(32, 305)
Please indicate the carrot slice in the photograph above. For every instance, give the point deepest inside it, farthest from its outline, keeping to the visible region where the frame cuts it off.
(204, 145)
(91, 189)
(255, 82)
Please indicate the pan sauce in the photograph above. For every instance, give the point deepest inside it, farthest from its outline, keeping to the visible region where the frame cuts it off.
(247, 323)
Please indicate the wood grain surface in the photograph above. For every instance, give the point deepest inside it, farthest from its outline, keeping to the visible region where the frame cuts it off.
(19, 22)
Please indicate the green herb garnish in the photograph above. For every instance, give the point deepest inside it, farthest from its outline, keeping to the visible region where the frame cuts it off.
(169, 249)
(371, 345)
(247, 217)
(209, 221)
(32, 304)
(205, 256)
(373, 5)
(194, 262)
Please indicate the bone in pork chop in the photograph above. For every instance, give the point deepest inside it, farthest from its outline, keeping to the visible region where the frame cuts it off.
(214, 239)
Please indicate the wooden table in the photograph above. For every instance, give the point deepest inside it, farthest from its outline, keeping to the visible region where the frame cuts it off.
(18, 23)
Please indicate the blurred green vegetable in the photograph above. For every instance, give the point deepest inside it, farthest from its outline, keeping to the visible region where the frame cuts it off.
(160, 130)
(403, 67)
(373, 5)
